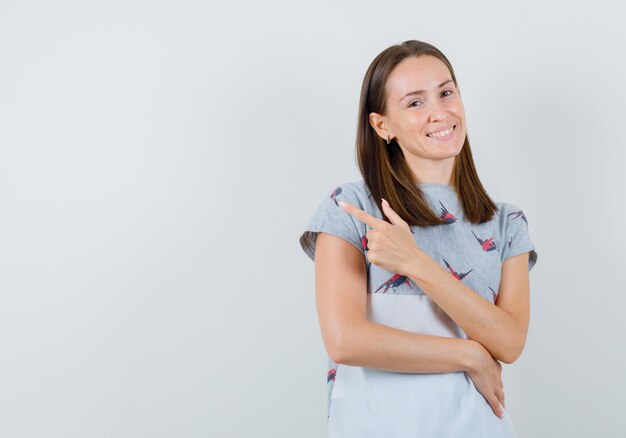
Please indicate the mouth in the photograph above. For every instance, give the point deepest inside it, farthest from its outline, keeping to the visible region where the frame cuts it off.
(443, 134)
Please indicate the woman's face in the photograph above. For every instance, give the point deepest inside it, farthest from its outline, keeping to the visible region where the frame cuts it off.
(421, 100)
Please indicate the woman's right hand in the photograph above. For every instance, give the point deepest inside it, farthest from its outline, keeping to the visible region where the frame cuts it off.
(486, 373)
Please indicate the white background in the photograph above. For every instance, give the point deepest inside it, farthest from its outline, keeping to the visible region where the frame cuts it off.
(158, 161)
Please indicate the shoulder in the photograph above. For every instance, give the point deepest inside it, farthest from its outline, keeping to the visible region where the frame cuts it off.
(509, 210)
(507, 214)
(511, 217)
(505, 209)
(514, 225)
(354, 191)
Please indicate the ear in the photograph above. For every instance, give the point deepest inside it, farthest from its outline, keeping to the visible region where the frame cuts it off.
(379, 123)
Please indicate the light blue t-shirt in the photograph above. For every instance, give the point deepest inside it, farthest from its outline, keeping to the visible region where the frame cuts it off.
(366, 402)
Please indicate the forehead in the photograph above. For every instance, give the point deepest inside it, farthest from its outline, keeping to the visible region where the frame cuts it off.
(416, 73)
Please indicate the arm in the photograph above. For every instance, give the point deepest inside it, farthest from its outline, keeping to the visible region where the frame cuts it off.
(501, 328)
(349, 338)
(378, 346)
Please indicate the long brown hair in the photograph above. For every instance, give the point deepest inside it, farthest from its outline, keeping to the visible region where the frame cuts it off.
(383, 166)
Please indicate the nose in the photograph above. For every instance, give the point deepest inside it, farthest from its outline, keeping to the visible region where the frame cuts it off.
(438, 111)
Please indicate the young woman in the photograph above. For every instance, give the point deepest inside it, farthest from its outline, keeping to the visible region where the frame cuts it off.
(419, 298)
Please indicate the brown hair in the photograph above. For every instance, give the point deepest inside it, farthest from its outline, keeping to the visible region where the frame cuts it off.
(383, 166)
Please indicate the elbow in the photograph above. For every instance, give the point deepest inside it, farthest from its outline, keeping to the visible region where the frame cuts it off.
(341, 348)
(512, 355)
(337, 355)
(333, 348)
(508, 359)
(514, 348)
(339, 351)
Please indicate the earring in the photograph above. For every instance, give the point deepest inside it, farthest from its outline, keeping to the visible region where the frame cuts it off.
(387, 138)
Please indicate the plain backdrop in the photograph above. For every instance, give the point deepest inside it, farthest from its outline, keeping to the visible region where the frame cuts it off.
(159, 160)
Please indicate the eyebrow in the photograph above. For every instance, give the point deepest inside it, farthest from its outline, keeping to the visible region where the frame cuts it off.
(412, 93)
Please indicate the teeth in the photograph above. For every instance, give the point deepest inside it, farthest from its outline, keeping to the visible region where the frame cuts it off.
(441, 133)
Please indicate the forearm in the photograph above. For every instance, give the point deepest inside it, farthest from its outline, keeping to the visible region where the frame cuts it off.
(481, 320)
(377, 346)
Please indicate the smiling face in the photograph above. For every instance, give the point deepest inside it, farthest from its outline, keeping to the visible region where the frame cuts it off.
(422, 101)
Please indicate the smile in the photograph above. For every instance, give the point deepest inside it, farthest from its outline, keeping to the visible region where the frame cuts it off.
(446, 133)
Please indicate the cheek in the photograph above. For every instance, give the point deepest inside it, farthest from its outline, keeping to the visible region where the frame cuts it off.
(459, 110)
(416, 124)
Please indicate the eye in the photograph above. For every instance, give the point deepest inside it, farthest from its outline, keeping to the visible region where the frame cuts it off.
(447, 91)
(411, 104)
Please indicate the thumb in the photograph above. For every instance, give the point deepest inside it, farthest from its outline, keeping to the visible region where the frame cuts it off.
(392, 215)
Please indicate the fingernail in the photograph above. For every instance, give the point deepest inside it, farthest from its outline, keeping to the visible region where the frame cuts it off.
(385, 201)
(342, 204)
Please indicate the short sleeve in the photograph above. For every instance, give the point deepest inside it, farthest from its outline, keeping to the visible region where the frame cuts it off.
(332, 219)
(517, 236)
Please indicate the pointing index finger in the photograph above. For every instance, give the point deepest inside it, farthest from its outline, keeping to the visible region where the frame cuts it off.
(360, 214)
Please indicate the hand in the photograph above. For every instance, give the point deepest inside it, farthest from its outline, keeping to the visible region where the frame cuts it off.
(390, 246)
(486, 374)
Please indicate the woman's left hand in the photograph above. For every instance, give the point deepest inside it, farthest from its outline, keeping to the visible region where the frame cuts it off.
(390, 246)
